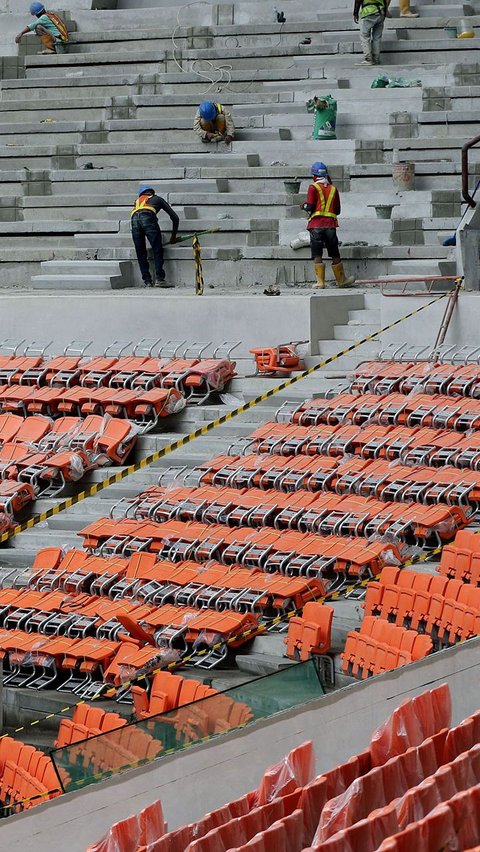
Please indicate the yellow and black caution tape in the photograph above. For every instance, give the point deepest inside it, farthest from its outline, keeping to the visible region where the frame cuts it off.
(202, 430)
(197, 253)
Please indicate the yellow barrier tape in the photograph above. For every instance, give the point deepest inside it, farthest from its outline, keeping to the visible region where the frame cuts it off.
(203, 430)
(197, 253)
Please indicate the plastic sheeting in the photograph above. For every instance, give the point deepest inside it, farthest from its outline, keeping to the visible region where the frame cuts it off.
(296, 769)
(133, 832)
(413, 721)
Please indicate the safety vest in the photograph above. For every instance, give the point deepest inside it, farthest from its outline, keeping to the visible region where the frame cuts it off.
(324, 204)
(142, 204)
(219, 109)
(59, 24)
(373, 7)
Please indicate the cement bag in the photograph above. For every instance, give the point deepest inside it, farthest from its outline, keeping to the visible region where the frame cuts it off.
(325, 116)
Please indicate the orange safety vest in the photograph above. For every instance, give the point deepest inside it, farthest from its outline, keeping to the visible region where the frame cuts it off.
(324, 204)
(142, 204)
(60, 25)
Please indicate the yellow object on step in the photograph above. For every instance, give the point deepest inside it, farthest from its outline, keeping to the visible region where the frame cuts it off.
(340, 277)
(464, 29)
(320, 275)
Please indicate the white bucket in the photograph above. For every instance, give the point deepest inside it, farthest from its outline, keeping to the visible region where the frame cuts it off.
(403, 176)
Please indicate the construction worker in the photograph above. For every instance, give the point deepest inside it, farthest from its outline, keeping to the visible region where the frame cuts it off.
(372, 20)
(145, 227)
(405, 10)
(213, 123)
(323, 207)
(50, 29)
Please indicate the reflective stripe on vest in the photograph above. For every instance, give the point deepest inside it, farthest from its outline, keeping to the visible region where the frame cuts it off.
(326, 204)
(142, 204)
(59, 24)
(219, 109)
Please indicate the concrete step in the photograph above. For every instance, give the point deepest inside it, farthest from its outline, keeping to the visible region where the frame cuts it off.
(77, 282)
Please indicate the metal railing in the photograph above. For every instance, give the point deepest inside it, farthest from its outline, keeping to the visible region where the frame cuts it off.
(465, 172)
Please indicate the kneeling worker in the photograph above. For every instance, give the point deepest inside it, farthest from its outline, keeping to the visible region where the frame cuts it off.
(50, 29)
(145, 227)
(323, 207)
(213, 123)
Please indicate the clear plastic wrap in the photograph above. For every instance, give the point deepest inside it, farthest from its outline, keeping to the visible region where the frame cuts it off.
(6, 523)
(76, 467)
(296, 769)
(411, 723)
(122, 837)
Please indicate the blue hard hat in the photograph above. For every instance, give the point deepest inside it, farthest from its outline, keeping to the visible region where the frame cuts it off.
(319, 169)
(37, 8)
(145, 188)
(208, 110)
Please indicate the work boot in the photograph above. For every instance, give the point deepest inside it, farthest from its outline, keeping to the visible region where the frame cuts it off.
(165, 285)
(340, 277)
(147, 283)
(409, 14)
(320, 275)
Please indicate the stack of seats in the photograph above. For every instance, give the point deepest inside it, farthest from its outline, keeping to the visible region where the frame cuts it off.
(63, 416)
(310, 633)
(417, 786)
(95, 742)
(193, 572)
(27, 777)
(167, 692)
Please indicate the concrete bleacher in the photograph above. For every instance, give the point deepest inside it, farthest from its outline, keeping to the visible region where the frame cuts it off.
(134, 96)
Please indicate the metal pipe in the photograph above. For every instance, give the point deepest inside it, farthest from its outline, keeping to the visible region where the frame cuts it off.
(465, 193)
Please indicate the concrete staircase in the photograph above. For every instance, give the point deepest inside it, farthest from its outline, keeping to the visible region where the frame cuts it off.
(83, 275)
(359, 324)
(122, 100)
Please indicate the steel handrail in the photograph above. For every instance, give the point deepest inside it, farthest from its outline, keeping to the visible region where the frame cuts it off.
(465, 173)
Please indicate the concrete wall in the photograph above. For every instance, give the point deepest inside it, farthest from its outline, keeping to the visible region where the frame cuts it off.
(131, 315)
(422, 330)
(205, 777)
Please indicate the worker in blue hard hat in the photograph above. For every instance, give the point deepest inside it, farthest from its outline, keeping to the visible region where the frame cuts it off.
(145, 227)
(213, 123)
(50, 29)
(323, 208)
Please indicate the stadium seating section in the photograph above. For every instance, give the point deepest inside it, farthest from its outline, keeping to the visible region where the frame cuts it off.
(334, 492)
(417, 786)
(63, 416)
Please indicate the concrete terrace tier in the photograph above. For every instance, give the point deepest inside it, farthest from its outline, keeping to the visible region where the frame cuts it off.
(123, 98)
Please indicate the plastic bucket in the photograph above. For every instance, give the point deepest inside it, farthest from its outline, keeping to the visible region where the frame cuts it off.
(292, 186)
(464, 29)
(403, 176)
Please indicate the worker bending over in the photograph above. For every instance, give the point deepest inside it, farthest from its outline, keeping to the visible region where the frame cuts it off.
(213, 123)
(323, 208)
(50, 29)
(145, 227)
